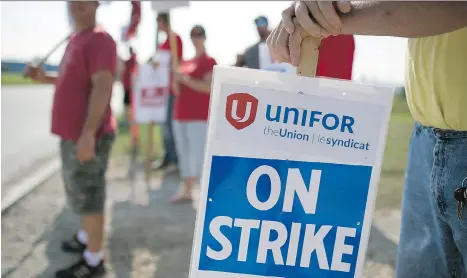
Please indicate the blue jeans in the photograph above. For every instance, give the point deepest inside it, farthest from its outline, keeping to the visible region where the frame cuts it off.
(433, 242)
(169, 143)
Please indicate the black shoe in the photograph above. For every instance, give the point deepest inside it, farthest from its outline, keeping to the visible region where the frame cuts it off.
(81, 270)
(73, 246)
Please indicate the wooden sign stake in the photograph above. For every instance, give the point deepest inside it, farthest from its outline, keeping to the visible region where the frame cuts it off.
(309, 56)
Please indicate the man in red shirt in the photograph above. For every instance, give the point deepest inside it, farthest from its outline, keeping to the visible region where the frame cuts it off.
(129, 68)
(170, 157)
(82, 118)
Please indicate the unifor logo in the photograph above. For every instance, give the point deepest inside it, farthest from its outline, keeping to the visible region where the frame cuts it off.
(241, 110)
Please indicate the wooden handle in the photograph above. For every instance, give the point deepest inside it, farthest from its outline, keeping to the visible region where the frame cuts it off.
(173, 46)
(174, 49)
(309, 56)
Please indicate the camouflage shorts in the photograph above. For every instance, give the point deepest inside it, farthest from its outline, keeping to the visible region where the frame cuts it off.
(85, 183)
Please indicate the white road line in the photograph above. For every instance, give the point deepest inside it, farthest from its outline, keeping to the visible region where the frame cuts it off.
(23, 187)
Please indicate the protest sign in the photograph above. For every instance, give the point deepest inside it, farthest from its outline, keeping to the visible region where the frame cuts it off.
(166, 6)
(151, 90)
(266, 61)
(289, 177)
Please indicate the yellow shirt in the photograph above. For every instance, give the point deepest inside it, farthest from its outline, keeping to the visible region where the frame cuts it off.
(436, 80)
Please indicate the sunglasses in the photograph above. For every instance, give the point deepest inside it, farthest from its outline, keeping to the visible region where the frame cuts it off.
(197, 35)
(261, 23)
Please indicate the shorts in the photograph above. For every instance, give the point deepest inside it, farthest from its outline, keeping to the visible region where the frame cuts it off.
(127, 98)
(190, 140)
(85, 183)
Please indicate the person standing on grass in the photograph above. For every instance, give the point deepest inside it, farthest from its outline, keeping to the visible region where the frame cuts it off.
(82, 118)
(170, 156)
(191, 110)
(433, 238)
(127, 82)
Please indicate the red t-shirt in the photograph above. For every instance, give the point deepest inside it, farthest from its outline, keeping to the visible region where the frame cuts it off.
(130, 66)
(166, 46)
(192, 105)
(336, 55)
(87, 52)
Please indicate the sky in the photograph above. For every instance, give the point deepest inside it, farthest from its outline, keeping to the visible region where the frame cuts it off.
(29, 29)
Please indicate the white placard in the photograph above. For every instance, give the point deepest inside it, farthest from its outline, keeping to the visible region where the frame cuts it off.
(166, 6)
(290, 175)
(151, 93)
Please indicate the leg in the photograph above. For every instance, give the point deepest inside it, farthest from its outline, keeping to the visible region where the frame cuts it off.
(182, 146)
(87, 198)
(195, 141)
(453, 155)
(126, 106)
(170, 145)
(170, 155)
(77, 244)
(199, 131)
(425, 242)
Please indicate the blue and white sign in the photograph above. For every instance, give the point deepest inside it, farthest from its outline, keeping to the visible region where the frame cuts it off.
(290, 175)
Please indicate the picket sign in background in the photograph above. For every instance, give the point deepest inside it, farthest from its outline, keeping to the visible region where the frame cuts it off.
(166, 6)
(331, 148)
(266, 62)
(151, 90)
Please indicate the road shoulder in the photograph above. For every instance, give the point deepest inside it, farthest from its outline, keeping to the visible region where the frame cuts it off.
(147, 236)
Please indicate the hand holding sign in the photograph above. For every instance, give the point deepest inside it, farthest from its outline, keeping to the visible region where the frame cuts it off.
(285, 41)
(318, 18)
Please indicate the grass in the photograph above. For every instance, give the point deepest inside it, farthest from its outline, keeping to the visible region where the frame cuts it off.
(15, 79)
(395, 156)
(122, 144)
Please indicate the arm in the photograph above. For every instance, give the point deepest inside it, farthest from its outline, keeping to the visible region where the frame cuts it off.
(404, 19)
(102, 83)
(101, 58)
(202, 86)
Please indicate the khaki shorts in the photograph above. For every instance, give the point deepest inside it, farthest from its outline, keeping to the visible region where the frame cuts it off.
(85, 183)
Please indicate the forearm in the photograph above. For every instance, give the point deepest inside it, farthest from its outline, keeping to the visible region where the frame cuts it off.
(404, 19)
(98, 105)
(202, 86)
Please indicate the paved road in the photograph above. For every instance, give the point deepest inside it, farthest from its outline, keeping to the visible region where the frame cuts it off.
(26, 140)
(146, 235)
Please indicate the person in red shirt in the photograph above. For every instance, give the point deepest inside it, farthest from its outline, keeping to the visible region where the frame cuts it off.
(191, 110)
(170, 157)
(129, 68)
(336, 55)
(82, 118)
